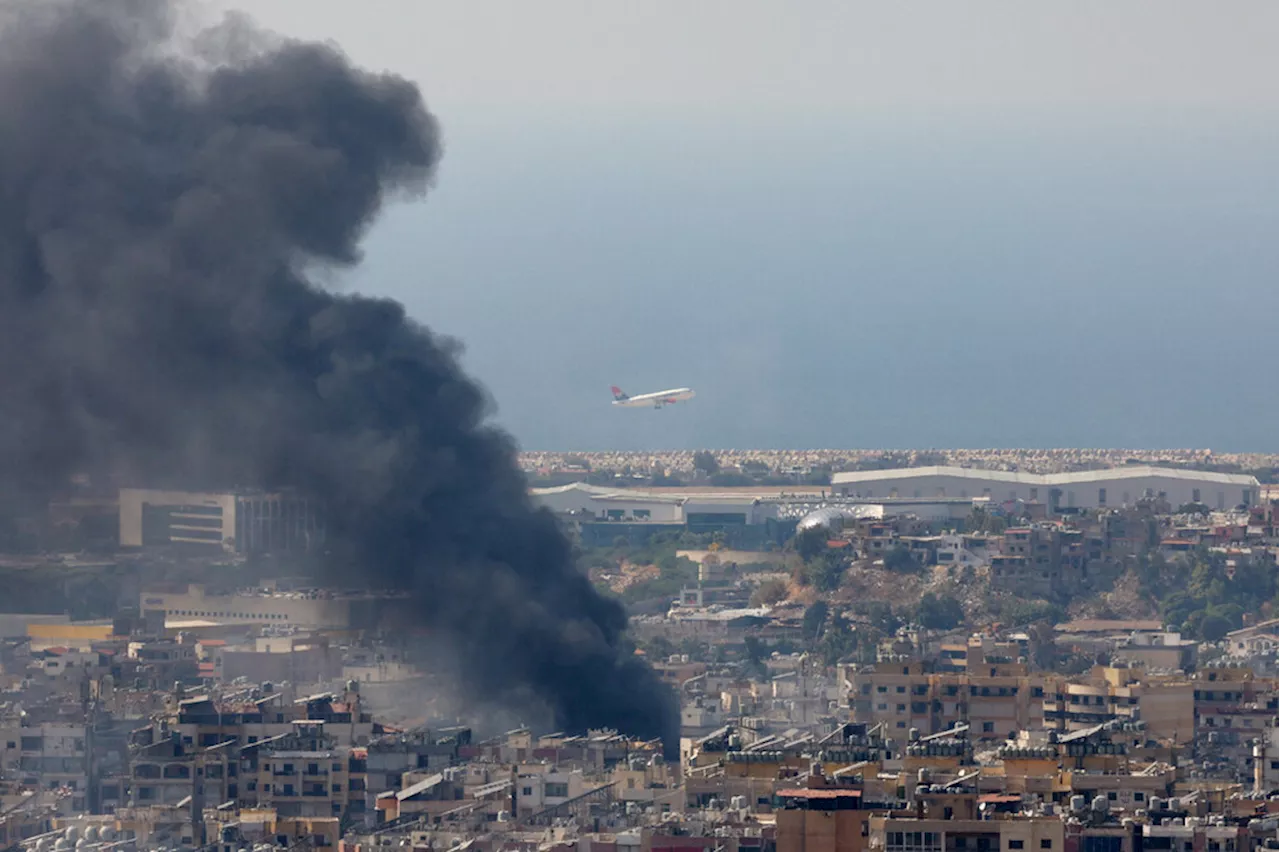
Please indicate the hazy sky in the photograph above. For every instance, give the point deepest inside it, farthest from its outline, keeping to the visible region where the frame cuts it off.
(845, 224)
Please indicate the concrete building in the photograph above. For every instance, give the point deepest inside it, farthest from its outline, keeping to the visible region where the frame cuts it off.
(1164, 704)
(303, 609)
(691, 507)
(50, 755)
(274, 659)
(1119, 486)
(236, 522)
(994, 696)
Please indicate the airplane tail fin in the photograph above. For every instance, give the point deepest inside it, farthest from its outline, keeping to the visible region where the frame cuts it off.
(617, 393)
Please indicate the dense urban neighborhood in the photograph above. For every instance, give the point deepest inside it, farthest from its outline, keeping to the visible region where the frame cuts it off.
(925, 658)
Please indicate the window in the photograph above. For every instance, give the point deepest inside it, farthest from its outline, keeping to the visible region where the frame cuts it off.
(1111, 796)
(526, 791)
(1015, 844)
(988, 727)
(901, 690)
(557, 791)
(1139, 796)
(1046, 843)
(1102, 496)
(913, 841)
(1195, 495)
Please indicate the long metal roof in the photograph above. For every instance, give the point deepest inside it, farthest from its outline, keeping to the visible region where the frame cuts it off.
(1047, 479)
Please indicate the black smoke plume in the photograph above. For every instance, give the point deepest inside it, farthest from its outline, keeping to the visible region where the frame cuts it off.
(163, 203)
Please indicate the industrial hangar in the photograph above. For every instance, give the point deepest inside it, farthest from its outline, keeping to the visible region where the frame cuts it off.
(1118, 486)
(632, 504)
(697, 508)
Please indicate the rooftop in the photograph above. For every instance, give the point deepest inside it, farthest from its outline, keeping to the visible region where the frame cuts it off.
(1047, 479)
(817, 793)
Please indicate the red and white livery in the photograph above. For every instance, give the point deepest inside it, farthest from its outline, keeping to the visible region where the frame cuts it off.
(657, 400)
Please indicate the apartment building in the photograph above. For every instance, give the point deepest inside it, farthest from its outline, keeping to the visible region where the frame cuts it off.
(1040, 561)
(994, 695)
(203, 721)
(544, 786)
(1164, 704)
(49, 754)
(822, 820)
(309, 776)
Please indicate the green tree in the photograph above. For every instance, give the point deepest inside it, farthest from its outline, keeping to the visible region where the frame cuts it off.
(811, 542)
(825, 572)
(769, 592)
(900, 560)
(838, 642)
(754, 649)
(815, 617)
(706, 462)
(938, 613)
(1018, 613)
(659, 648)
(880, 615)
(1213, 628)
(982, 521)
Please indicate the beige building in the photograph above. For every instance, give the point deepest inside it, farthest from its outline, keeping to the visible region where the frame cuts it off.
(1164, 704)
(247, 522)
(311, 610)
(310, 783)
(994, 696)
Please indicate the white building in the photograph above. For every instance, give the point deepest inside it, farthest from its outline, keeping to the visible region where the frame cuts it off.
(1118, 486)
(632, 504)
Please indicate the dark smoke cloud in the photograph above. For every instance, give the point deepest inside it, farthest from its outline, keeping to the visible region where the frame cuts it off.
(160, 212)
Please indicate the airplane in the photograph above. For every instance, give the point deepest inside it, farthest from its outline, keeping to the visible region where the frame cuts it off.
(657, 400)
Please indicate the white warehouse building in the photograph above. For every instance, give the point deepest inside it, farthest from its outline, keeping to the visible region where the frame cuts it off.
(634, 504)
(1119, 486)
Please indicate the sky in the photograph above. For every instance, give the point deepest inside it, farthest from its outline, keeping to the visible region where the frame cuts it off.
(845, 224)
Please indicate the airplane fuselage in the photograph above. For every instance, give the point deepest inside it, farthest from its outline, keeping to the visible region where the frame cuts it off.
(656, 400)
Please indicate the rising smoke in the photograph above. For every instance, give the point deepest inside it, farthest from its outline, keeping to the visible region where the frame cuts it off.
(161, 209)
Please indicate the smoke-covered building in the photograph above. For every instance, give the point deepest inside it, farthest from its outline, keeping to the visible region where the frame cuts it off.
(237, 522)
